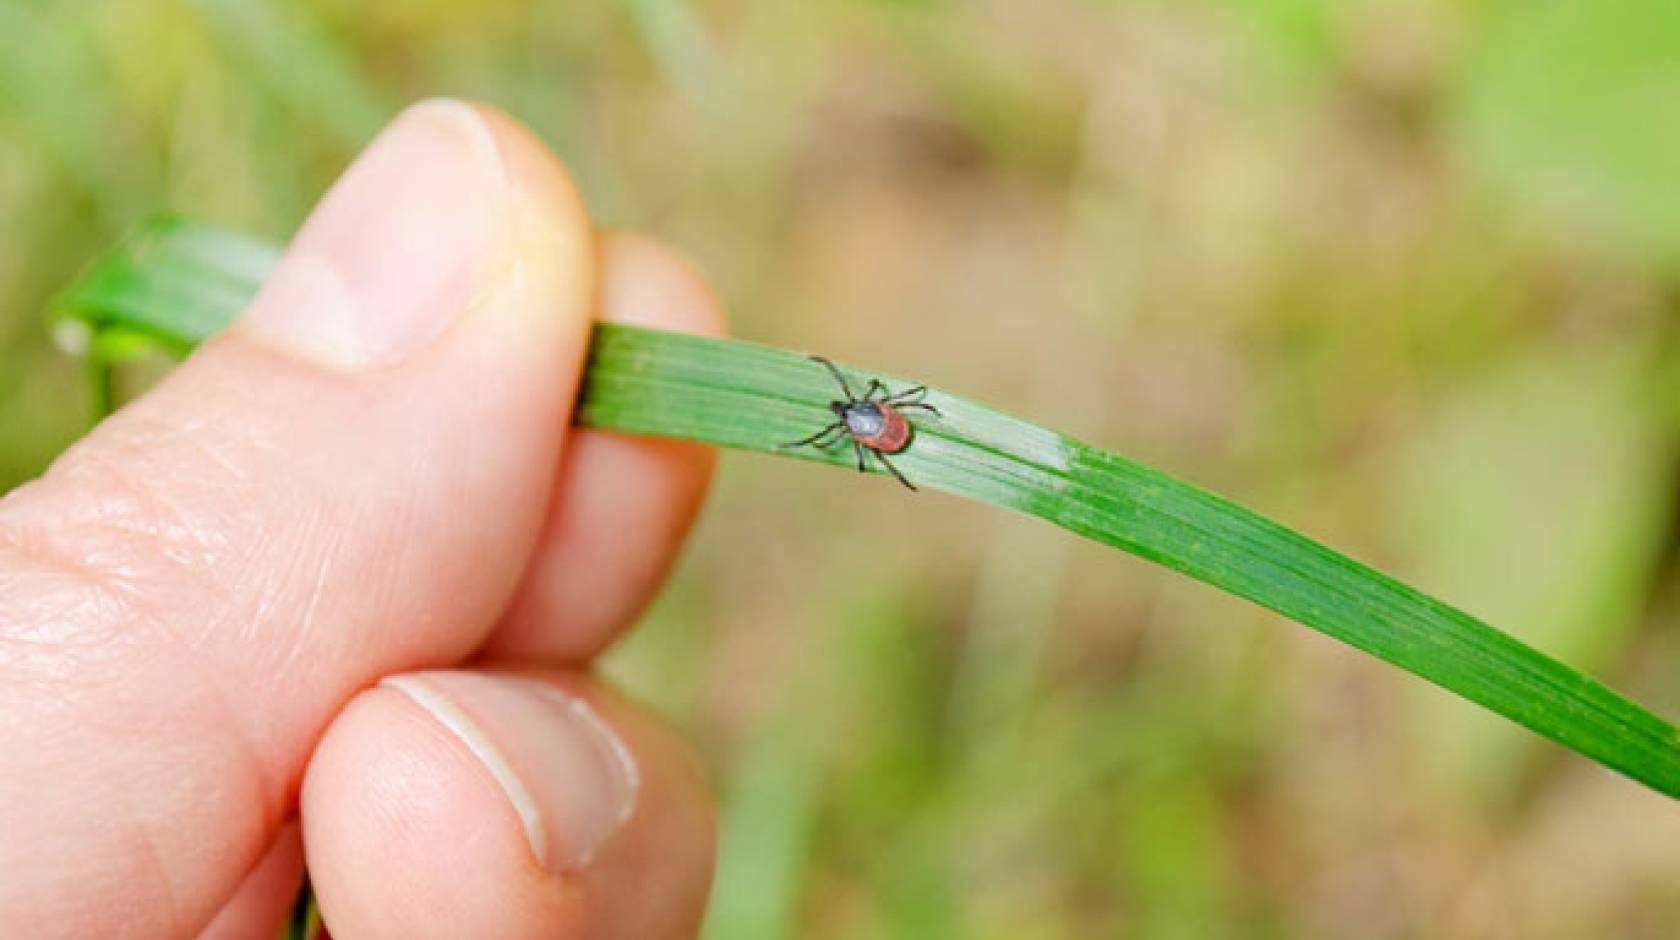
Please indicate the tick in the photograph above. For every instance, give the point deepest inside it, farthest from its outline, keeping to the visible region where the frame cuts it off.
(877, 425)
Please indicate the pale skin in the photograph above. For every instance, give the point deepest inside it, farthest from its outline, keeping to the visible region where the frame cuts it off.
(332, 590)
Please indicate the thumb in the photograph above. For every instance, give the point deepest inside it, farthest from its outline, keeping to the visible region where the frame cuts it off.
(345, 484)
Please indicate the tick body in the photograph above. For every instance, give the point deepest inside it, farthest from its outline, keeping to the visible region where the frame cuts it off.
(881, 428)
(875, 425)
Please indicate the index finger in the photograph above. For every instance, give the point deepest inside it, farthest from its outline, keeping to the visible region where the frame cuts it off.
(623, 505)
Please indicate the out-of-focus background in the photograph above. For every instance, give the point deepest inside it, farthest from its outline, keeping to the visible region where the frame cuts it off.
(1404, 274)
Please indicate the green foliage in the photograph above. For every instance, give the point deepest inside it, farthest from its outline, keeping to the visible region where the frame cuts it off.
(1571, 110)
(752, 397)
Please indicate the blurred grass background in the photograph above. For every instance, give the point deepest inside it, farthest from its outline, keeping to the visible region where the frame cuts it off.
(1404, 274)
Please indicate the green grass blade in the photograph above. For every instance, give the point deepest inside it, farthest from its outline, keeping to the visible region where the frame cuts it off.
(173, 281)
(179, 282)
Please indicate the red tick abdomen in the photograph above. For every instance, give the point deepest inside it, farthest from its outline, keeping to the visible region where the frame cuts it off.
(894, 435)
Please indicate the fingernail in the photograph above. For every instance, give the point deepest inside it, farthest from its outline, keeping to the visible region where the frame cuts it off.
(396, 250)
(568, 776)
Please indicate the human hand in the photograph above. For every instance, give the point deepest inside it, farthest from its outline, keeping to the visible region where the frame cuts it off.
(343, 572)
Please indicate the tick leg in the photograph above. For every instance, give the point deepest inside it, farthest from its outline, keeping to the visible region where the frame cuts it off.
(922, 405)
(827, 440)
(908, 394)
(813, 439)
(859, 448)
(837, 377)
(894, 470)
(876, 386)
